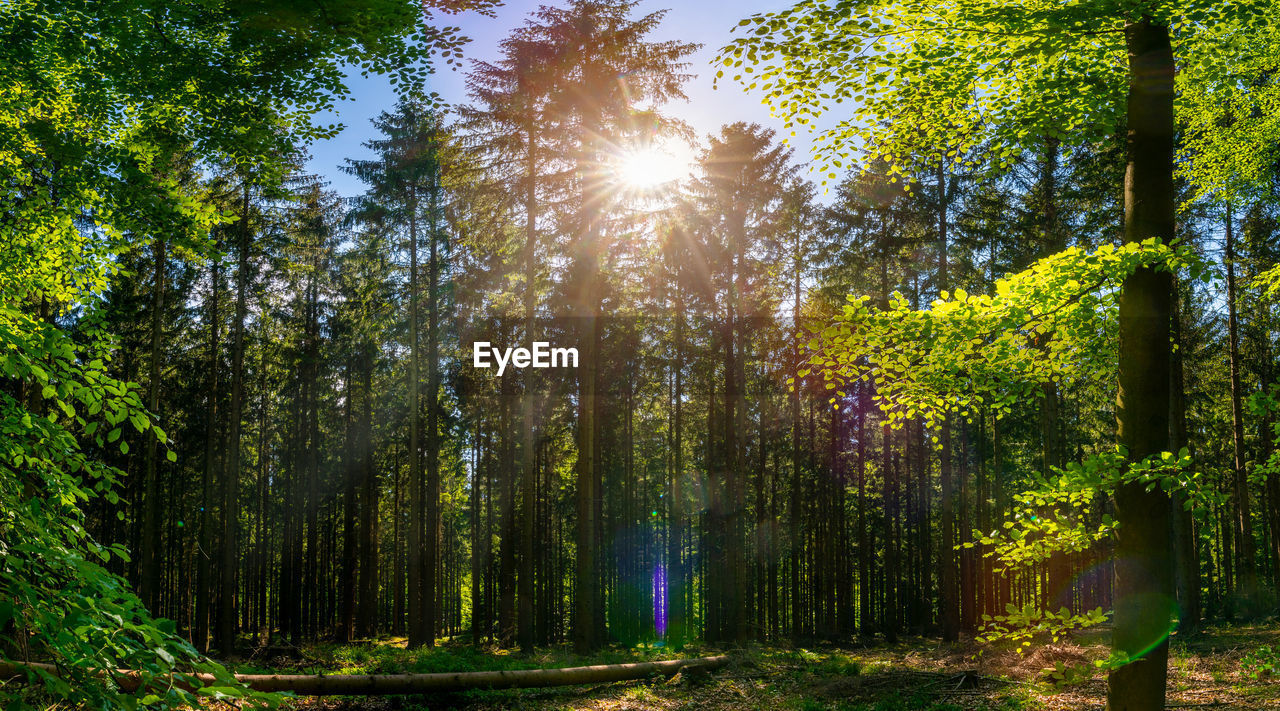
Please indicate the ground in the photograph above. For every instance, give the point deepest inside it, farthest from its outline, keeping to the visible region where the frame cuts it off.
(1223, 668)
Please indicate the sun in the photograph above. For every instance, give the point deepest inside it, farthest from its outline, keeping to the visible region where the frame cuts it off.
(653, 166)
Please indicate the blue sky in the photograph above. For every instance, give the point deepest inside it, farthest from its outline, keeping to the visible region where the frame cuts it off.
(691, 20)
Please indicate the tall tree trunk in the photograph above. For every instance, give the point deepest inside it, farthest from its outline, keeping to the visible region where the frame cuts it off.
(350, 537)
(478, 627)
(1144, 556)
(794, 540)
(1059, 574)
(738, 542)
(507, 524)
(949, 594)
(229, 557)
(587, 307)
(312, 612)
(204, 586)
(889, 615)
(528, 457)
(421, 596)
(1266, 432)
(367, 610)
(1246, 565)
(865, 624)
(1188, 564)
(677, 612)
(431, 532)
(152, 505)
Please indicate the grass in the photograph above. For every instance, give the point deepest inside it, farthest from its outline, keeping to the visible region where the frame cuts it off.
(390, 656)
(1221, 668)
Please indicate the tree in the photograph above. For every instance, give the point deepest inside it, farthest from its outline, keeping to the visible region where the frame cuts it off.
(366, 284)
(514, 92)
(241, 85)
(404, 193)
(588, 45)
(985, 71)
(739, 198)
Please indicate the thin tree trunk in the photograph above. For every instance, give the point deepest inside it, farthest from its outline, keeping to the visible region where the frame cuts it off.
(528, 464)
(204, 546)
(948, 598)
(350, 537)
(431, 532)
(152, 505)
(367, 609)
(229, 557)
(1246, 565)
(587, 307)
(506, 540)
(889, 615)
(677, 612)
(794, 539)
(421, 595)
(1188, 564)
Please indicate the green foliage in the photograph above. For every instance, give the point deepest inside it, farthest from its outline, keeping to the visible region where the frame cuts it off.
(1268, 283)
(841, 665)
(978, 81)
(1262, 662)
(100, 102)
(1060, 515)
(1053, 322)
(1052, 516)
(1265, 404)
(1029, 624)
(60, 604)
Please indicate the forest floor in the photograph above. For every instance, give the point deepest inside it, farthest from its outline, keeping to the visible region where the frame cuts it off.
(1222, 669)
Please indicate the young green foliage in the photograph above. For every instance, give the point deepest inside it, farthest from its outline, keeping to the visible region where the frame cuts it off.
(977, 81)
(1062, 513)
(1053, 322)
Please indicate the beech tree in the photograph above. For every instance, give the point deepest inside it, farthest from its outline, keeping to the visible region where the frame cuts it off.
(920, 75)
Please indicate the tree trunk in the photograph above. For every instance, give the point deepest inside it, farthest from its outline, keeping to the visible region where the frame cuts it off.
(401, 684)
(507, 523)
(1246, 566)
(431, 531)
(350, 538)
(587, 307)
(229, 557)
(889, 615)
(1144, 557)
(367, 610)
(200, 628)
(528, 463)
(948, 594)
(152, 505)
(865, 624)
(1184, 539)
(677, 613)
(421, 597)
(794, 540)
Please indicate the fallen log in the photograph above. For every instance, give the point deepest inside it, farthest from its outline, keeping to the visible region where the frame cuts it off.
(397, 684)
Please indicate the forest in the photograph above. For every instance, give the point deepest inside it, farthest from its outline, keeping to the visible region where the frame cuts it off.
(968, 401)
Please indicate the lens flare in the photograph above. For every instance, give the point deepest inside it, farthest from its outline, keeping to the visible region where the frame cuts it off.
(653, 166)
(660, 601)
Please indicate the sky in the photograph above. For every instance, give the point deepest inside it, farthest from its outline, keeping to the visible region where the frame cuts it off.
(700, 21)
